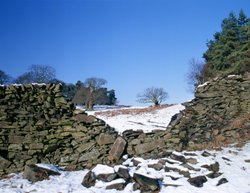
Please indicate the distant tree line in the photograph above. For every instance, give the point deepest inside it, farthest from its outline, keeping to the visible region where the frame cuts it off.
(89, 93)
(228, 52)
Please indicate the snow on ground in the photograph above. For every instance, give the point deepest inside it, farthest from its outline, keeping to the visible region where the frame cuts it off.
(147, 121)
(232, 163)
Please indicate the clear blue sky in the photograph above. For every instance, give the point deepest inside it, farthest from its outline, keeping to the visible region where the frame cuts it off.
(133, 44)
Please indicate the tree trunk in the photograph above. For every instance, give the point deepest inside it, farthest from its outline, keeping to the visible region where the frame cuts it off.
(156, 103)
(90, 102)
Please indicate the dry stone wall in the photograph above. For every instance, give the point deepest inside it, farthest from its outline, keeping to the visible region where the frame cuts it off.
(38, 125)
(219, 115)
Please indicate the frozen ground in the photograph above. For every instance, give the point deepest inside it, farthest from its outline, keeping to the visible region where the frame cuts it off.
(155, 119)
(233, 164)
(233, 161)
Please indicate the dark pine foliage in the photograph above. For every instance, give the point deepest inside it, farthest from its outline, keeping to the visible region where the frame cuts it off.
(229, 51)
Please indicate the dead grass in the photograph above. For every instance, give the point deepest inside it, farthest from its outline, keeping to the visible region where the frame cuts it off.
(134, 111)
(239, 122)
(6, 176)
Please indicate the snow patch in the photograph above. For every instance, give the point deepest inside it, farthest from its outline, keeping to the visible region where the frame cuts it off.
(202, 85)
(103, 169)
(148, 121)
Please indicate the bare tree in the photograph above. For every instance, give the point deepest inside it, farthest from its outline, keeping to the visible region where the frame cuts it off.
(153, 95)
(93, 84)
(25, 78)
(4, 78)
(195, 75)
(38, 74)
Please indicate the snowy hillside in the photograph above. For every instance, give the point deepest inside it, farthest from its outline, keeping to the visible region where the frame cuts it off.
(224, 171)
(136, 118)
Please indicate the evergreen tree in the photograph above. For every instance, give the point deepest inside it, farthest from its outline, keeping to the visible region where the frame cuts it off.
(228, 52)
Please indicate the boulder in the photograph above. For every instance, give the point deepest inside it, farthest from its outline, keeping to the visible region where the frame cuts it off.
(206, 154)
(215, 167)
(116, 186)
(4, 163)
(179, 158)
(214, 175)
(104, 173)
(89, 180)
(84, 118)
(197, 181)
(123, 173)
(108, 177)
(157, 166)
(117, 149)
(146, 183)
(135, 162)
(105, 139)
(222, 181)
(147, 147)
(35, 173)
(192, 160)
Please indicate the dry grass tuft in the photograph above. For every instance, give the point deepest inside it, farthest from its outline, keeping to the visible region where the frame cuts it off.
(134, 111)
(240, 121)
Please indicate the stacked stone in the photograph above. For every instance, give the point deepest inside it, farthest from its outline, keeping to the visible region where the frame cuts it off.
(156, 144)
(219, 114)
(38, 125)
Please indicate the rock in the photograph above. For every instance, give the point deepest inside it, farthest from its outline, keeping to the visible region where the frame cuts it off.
(215, 167)
(136, 162)
(146, 183)
(123, 173)
(36, 146)
(15, 147)
(206, 154)
(179, 158)
(157, 166)
(116, 186)
(226, 159)
(190, 167)
(168, 169)
(136, 186)
(85, 147)
(247, 161)
(104, 172)
(222, 181)
(105, 139)
(84, 118)
(4, 163)
(93, 155)
(175, 118)
(192, 160)
(117, 149)
(89, 180)
(128, 134)
(190, 154)
(162, 161)
(106, 177)
(197, 181)
(214, 175)
(186, 174)
(147, 147)
(35, 173)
